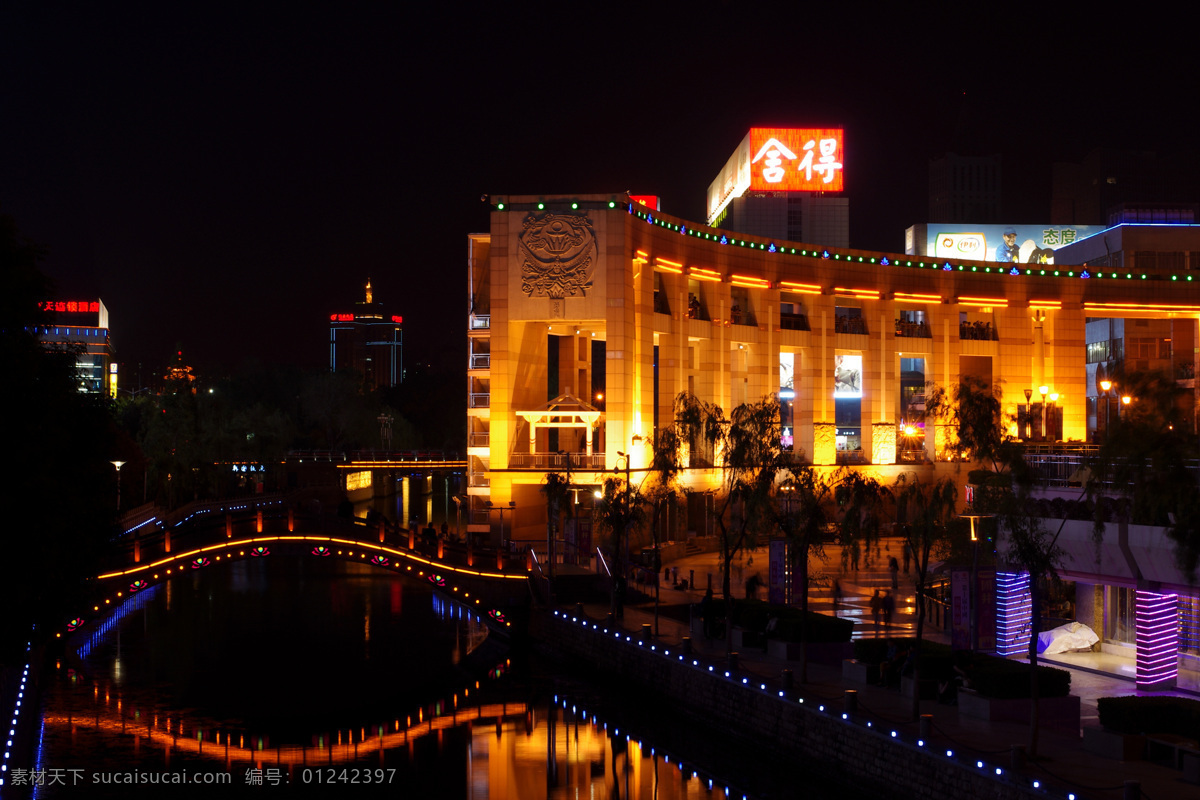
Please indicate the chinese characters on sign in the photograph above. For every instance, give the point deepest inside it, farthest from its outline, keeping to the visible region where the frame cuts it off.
(71, 306)
(796, 159)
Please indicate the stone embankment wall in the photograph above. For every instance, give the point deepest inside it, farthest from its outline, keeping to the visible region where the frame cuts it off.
(814, 734)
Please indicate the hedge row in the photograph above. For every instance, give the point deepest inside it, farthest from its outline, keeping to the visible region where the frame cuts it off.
(1136, 715)
(1000, 678)
(754, 615)
(991, 676)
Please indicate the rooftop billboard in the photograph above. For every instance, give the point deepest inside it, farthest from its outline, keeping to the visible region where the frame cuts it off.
(1017, 244)
(780, 160)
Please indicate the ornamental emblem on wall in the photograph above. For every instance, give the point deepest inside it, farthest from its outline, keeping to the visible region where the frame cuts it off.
(558, 252)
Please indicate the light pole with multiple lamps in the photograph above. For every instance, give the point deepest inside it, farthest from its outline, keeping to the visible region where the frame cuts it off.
(118, 465)
(1106, 386)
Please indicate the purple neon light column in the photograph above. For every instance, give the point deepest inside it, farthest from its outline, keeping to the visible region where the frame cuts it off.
(1013, 613)
(1157, 620)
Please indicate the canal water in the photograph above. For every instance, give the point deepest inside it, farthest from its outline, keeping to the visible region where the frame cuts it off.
(293, 676)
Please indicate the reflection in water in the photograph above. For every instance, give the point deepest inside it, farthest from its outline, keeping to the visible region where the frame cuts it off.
(287, 666)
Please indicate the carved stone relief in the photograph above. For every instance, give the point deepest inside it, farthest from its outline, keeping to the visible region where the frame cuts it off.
(558, 253)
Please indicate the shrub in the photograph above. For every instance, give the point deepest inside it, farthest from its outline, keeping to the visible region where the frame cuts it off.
(936, 658)
(1000, 678)
(1134, 715)
(753, 616)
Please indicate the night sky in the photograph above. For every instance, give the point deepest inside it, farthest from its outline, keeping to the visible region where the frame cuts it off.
(225, 178)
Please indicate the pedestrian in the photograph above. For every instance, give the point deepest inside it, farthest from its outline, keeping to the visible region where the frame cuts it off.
(889, 605)
(837, 595)
(907, 556)
(853, 556)
(894, 568)
(876, 607)
(706, 612)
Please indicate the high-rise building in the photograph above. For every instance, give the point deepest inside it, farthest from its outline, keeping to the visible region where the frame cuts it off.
(786, 184)
(368, 341)
(965, 188)
(82, 325)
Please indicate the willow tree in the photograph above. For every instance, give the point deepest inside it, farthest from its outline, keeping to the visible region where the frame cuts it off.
(926, 510)
(661, 492)
(807, 500)
(972, 410)
(619, 510)
(748, 452)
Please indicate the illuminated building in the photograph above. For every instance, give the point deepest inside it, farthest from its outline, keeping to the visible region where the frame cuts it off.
(590, 314)
(784, 183)
(179, 377)
(83, 326)
(368, 342)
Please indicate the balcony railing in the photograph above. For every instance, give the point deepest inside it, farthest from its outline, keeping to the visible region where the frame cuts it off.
(479, 439)
(793, 322)
(978, 331)
(554, 461)
(913, 330)
(480, 400)
(481, 360)
(478, 479)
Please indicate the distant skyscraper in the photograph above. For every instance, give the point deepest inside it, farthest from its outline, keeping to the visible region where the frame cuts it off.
(965, 188)
(369, 342)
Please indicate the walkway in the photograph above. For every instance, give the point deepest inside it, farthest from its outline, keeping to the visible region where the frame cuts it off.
(1062, 760)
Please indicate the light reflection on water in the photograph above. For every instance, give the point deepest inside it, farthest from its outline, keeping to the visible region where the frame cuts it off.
(293, 666)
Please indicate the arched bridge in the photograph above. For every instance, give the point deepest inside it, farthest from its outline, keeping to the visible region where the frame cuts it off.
(207, 534)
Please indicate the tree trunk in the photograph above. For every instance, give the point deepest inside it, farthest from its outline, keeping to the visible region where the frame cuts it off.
(802, 571)
(922, 564)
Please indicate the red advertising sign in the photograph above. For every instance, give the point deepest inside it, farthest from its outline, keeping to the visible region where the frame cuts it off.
(796, 159)
(71, 306)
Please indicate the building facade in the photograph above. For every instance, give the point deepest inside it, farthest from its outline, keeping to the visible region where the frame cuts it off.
(82, 326)
(369, 342)
(590, 314)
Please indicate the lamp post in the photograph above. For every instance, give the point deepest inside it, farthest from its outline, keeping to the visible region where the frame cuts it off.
(973, 595)
(1105, 386)
(619, 610)
(1028, 409)
(118, 465)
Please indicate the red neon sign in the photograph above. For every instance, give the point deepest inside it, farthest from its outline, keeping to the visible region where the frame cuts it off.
(796, 159)
(397, 319)
(649, 200)
(71, 306)
(341, 318)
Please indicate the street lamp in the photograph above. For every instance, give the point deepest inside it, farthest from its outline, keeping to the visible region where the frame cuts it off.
(1105, 386)
(118, 465)
(1028, 407)
(973, 611)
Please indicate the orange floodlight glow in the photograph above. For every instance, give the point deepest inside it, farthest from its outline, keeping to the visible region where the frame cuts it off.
(701, 274)
(641, 255)
(869, 294)
(983, 301)
(668, 266)
(915, 296)
(801, 288)
(752, 283)
(1145, 306)
(1045, 303)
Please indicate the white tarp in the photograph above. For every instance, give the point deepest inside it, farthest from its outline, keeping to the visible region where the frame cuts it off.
(1064, 638)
